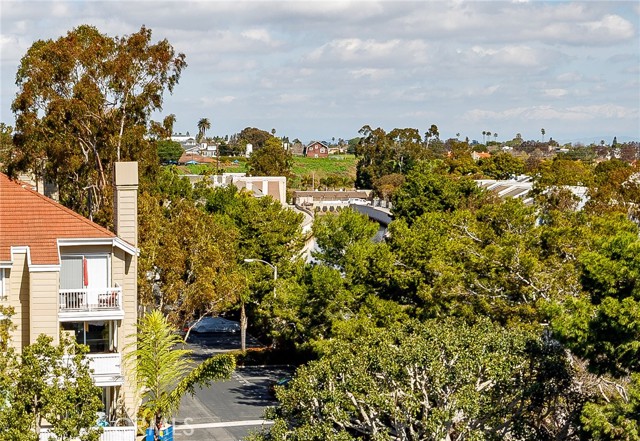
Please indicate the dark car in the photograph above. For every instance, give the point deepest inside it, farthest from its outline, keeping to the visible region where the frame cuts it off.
(213, 324)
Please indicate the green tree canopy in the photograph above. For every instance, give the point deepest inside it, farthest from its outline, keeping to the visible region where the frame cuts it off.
(501, 165)
(429, 187)
(270, 160)
(169, 151)
(432, 381)
(84, 101)
(48, 383)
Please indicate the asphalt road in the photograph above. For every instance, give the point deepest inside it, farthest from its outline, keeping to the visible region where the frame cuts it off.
(228, 410)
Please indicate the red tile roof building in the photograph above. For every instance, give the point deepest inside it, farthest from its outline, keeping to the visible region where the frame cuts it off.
(28, 218)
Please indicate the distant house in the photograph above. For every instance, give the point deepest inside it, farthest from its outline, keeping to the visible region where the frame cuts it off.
(330, 200)
(317, 149)
(184, 140)
(193, 158)
(480, 155)
(208, 150)
(258, 186)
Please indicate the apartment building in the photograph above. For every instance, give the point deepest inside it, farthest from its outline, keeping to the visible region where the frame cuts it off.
(63, 273)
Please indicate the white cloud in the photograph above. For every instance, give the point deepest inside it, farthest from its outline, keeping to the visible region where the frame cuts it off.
(555, 93)
(370, 52)
(539, 113)
(516, 56)
(392, 62)
(374, 74)
(569, 77)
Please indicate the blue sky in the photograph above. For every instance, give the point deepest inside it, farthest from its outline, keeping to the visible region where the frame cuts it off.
(318, 69)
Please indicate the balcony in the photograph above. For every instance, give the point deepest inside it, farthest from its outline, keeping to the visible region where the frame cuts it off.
(89, 303)
(107, 369)
(109, 434)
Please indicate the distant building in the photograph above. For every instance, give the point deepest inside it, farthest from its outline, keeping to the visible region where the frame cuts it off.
(259, 186)
(184, 140)
(480, 155)
(208, 150)
(188, 158)
(330, 200)
(317, 149)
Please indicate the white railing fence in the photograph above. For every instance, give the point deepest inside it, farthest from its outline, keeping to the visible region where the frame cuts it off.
(105, 364)
(88, 299)
(109, 434)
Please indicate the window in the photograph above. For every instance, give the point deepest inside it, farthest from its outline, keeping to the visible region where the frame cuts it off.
(90, 271)
(100, 336)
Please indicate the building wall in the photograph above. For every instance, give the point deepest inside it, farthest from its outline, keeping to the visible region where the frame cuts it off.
(17, 286)
(125, 268)
(124, 272)
(43, 304)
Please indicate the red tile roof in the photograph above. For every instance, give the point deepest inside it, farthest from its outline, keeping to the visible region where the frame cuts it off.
(28, 218)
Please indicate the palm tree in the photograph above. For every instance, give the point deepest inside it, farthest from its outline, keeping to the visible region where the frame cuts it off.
(495, 137)
(488, 136)
(483, 137)
(543, 132)
(203, 126)
(164, 374)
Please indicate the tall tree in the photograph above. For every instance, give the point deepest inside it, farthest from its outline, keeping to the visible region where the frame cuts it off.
(83, 102)
(542, 131)
(431, 133)
(270, 160)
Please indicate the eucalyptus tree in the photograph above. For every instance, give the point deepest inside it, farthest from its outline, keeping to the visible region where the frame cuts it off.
(83, 102)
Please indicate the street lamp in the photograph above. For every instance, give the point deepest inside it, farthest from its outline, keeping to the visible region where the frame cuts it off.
(275, 271)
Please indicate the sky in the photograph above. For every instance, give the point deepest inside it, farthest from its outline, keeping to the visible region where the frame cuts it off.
(318, 70)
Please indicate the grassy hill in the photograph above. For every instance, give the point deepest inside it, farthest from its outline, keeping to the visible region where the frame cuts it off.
(318, 168)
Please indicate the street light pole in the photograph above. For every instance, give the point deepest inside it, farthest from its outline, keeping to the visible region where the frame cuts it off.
(275, 271)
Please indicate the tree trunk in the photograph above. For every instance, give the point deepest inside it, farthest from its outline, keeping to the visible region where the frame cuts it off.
(243, 329)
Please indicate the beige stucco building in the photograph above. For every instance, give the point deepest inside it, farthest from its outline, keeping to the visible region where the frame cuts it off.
(62, 273)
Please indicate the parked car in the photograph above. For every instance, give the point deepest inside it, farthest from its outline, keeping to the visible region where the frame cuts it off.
(213, 324)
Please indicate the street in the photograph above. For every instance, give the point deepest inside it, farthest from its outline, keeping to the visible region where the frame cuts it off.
(228, 410)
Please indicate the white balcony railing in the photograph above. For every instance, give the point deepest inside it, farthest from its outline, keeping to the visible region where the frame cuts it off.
(109, 434)
(106, 364)
(87, 299)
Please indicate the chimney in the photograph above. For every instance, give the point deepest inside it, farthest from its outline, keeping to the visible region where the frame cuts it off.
(125, 203)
